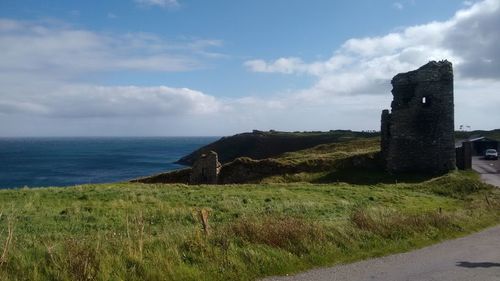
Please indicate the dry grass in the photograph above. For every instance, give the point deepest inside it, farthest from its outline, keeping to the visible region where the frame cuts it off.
(288, 233)
(160, 232)
(82, 260)
(135, 235)
(393, 225)
(8, 240)
(332, 151)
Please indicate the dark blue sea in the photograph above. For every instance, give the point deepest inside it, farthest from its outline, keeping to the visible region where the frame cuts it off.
(41, 162)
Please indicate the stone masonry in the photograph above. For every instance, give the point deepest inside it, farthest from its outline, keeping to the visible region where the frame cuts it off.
(205, 169)
(418, 134)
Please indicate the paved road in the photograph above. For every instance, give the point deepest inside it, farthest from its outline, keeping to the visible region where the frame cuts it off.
(472, 258)
(489, 170)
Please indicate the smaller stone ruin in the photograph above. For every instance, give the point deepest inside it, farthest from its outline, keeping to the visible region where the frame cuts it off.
(206, 169)
(418, 133)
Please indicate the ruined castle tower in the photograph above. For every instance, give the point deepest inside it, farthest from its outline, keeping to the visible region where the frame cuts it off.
(205, 169)
(418, 134)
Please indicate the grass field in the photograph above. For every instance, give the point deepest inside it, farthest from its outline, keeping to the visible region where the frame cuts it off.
(351, 160)
(133, 231)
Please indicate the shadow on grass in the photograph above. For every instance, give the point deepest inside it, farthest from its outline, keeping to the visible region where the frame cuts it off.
(371, 176)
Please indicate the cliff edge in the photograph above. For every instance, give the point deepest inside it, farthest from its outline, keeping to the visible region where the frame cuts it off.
(267, 144)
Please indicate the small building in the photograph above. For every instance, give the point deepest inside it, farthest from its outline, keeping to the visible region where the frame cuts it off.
(480, 144)
(205, 169)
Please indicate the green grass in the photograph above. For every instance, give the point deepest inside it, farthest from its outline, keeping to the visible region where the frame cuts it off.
(355, 161)
(315, 164)
(131, 231)
(332, 151)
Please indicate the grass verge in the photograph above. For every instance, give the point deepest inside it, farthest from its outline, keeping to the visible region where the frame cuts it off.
(133, 231)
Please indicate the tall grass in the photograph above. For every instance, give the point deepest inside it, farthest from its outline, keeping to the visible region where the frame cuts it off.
(287, 233)
(9, 235)
(234, 232)
(394, 225)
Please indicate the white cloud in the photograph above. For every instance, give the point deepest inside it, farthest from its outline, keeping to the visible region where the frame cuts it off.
(349, 91)
(26, 46)
(75, 101)
(398, 5)
(293, 65)
(470, 39)
(158, 3)
(364, 66)
(282, 65)
(44, 66)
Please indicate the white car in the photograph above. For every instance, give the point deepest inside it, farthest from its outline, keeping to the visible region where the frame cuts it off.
(491, 154)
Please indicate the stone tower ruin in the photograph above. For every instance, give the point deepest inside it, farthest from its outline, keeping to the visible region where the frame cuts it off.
(205, 169)
(418, 133)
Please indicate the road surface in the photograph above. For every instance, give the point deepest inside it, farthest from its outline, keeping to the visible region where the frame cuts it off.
(472, 258)
(489, 170)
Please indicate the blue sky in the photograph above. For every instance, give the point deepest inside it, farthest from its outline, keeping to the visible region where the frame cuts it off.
(185, 67)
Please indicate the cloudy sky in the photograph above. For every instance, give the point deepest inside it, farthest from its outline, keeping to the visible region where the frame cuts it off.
(194, 67)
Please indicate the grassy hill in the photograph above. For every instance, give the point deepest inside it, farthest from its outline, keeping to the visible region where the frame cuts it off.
(350, 160)
(260, 145)
(308, 165)
(287, 220)
(318, 157)
(131, 231)
(314, 164)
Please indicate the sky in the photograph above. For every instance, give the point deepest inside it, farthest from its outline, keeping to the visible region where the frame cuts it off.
(220, 67)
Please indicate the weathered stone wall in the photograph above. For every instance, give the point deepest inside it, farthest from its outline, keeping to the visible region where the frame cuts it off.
(464, 156)
(206, 169)
(418, 134)
(385, 133)
(247, 170)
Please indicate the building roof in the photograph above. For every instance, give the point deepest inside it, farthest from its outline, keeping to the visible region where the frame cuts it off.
(458, 143)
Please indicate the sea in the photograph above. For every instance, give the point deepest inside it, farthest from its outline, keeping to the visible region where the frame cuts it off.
(43, 162)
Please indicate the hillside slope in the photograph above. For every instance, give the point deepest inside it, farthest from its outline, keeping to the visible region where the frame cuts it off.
(260, 145)
(316, 163)
(131, 231)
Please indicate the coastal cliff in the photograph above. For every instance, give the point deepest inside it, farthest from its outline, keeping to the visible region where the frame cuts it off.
(259, 145)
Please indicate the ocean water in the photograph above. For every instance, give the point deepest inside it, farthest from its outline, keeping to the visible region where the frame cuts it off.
(41, 162)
